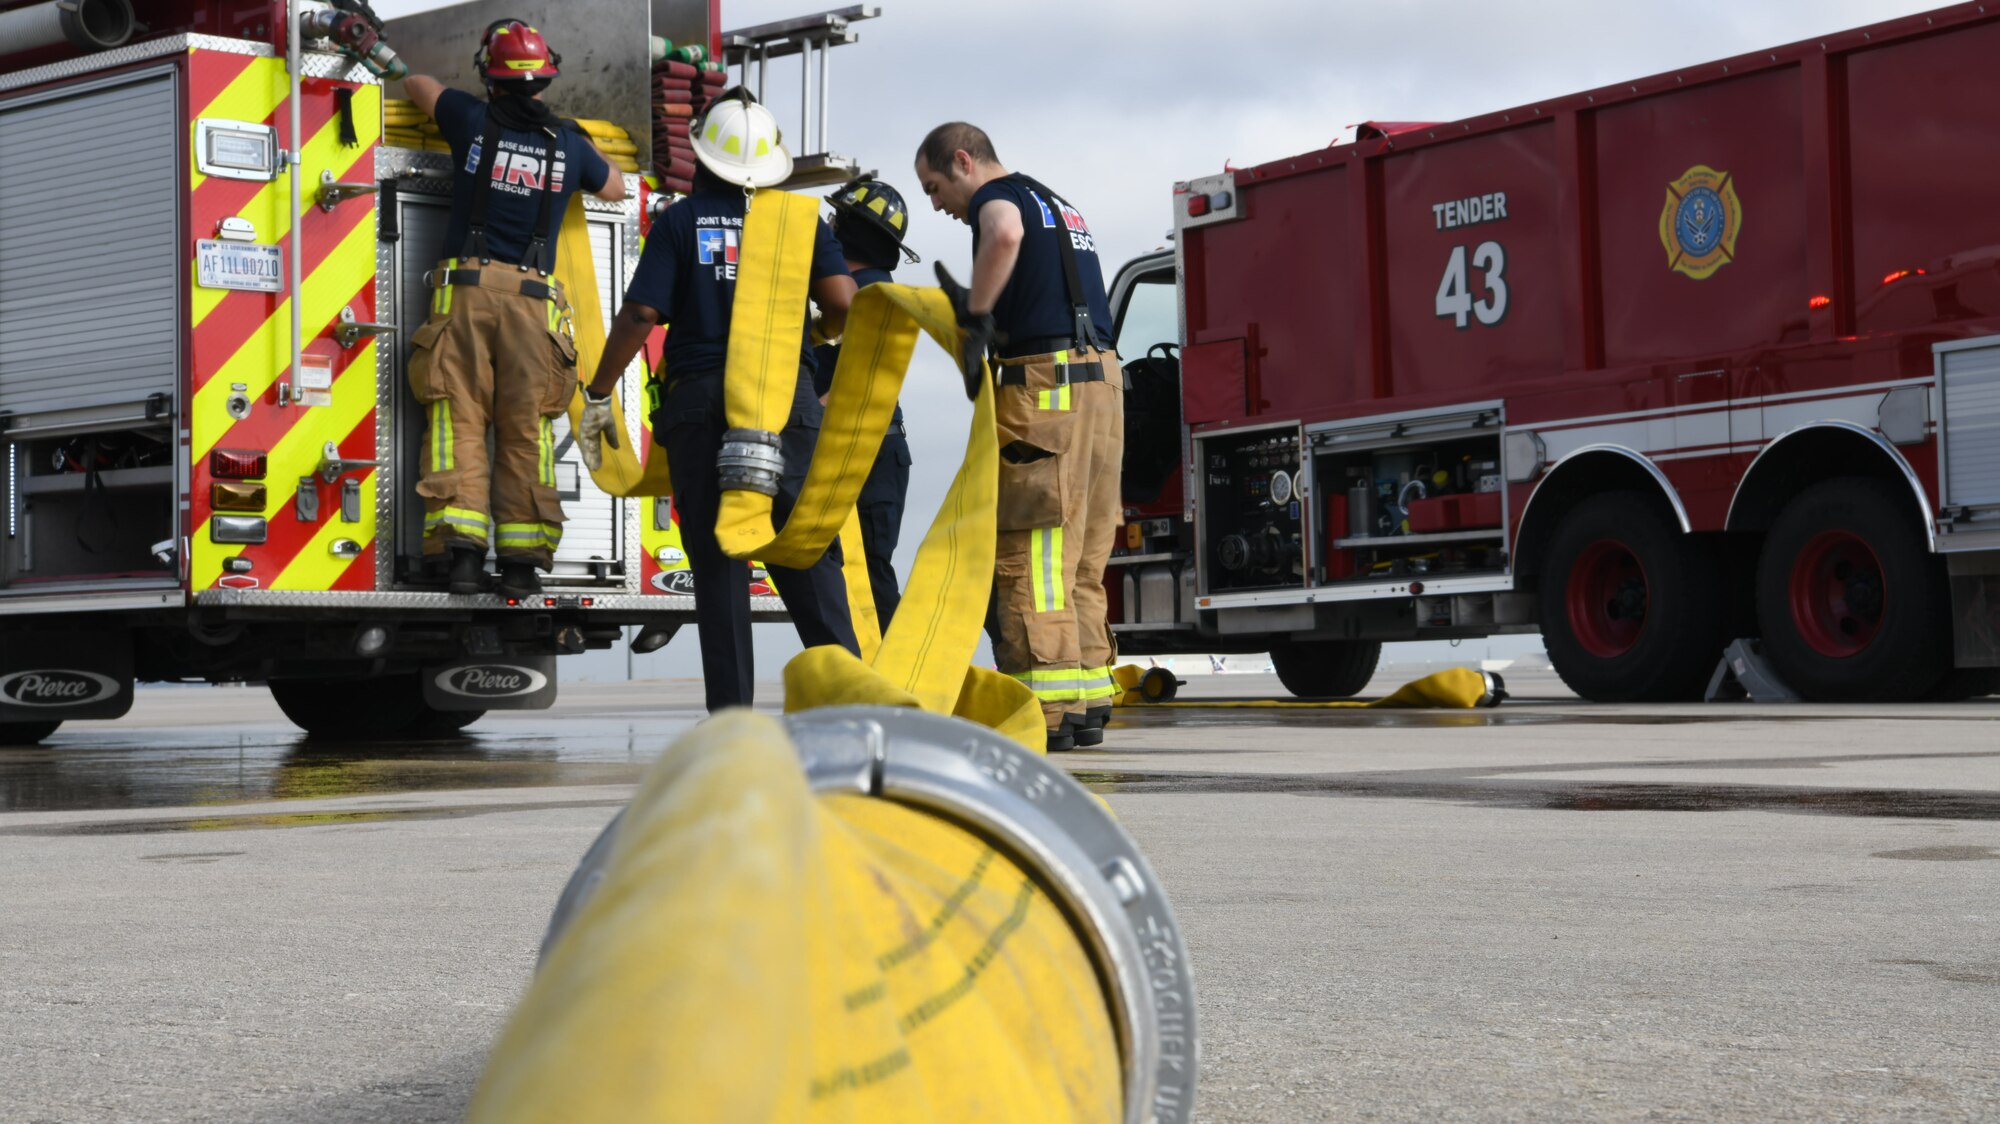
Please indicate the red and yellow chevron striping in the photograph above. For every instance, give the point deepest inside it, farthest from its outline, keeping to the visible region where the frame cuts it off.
(242, 339)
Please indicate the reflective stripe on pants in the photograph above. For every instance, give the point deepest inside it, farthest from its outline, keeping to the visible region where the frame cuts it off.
(1058, 685)
(1045, 567)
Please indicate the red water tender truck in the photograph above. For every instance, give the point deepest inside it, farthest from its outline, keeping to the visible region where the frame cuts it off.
(1706, 356)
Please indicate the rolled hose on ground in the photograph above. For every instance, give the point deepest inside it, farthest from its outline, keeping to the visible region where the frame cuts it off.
(861, 913)
(1454, 688)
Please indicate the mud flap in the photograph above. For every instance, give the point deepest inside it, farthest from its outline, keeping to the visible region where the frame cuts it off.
(60, 676)
(1975, 613)
(499, 683)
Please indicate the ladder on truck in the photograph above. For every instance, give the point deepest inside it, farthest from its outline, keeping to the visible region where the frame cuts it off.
(808, 37)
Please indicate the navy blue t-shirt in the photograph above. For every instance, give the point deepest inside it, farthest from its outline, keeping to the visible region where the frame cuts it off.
(825, 357)
(687, 273)
(516, 203)
(1035, 301)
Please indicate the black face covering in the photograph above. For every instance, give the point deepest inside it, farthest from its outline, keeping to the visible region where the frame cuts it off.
(522, 114)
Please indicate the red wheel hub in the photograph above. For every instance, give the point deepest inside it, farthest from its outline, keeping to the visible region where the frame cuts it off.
(1838, 594)
(1606, 599)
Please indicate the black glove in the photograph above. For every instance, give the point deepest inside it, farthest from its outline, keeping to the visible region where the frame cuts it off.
(980, 332)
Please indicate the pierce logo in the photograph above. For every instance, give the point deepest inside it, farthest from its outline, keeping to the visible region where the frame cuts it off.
(56, 687)
(674, 581)
(491, 681)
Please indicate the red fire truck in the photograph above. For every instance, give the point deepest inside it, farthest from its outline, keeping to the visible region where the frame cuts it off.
(1706, 356)
(212, 253)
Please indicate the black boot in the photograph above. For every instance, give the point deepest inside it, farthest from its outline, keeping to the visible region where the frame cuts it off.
(1064, 737)
(468, 571)
(1092, 731)
(518, 579)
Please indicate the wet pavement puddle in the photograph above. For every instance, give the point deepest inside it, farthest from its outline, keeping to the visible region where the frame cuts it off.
(1198, 713)
(181, 768)
(132, 768)
(255, 821)
(1506, 788)
(1940, 854)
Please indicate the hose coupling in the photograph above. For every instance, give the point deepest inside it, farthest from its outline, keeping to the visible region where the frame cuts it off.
(751, 460)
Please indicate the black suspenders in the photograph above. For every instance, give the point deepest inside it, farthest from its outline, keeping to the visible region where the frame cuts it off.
(1081, 325)
(539, 256)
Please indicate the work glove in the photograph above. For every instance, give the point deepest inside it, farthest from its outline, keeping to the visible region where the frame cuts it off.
(597, 423)
(979, 332)
(819, 337)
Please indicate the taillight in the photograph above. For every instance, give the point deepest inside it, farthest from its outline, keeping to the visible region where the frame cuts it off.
(237, 464)
(230, 495)
(1199, 205)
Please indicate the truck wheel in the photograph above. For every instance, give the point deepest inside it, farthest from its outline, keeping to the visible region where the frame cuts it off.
(1326, 669)
(385, 706)
(1850, 603)
(26, 733)
(1632, 608)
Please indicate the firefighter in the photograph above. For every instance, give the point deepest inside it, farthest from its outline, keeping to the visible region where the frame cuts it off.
(497, 351)
(1037, 300)
(870, 220)
(687, 276)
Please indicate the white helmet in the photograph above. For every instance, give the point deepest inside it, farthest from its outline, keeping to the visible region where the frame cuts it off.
(738, 140)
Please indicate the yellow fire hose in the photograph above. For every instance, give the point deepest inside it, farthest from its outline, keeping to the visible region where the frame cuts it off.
(855, 914)
(1454, 688)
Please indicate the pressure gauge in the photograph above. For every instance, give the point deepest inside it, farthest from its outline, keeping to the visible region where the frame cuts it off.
(1281, 488)
(1301, 484)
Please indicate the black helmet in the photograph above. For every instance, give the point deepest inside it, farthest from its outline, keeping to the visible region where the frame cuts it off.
(877, 206)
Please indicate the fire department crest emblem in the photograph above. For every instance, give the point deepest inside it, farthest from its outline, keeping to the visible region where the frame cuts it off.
(1700, 221)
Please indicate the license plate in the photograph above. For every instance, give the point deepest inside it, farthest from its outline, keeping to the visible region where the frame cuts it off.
(239, 265)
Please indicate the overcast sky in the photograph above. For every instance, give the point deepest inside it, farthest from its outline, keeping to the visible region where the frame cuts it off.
(1111, 101)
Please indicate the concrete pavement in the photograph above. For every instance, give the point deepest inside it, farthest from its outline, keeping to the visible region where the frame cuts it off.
(1552, 910)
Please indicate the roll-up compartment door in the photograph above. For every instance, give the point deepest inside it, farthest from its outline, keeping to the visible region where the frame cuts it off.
(91, 276)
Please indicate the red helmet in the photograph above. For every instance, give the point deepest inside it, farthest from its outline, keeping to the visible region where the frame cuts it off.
(511, 49)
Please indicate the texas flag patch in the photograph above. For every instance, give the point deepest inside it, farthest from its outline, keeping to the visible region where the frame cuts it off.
(716, 247)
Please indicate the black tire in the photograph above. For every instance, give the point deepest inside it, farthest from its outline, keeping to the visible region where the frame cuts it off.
(1632, 608)
(1962, 683)
(1326, 669)
(387, 706)
(1851, 604)
(27, 733)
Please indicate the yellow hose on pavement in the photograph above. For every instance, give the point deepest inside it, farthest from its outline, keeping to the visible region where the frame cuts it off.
(1454, 688)
(756, 953)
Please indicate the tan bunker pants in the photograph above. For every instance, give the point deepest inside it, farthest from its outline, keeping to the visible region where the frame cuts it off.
(1061, 448)
(492, 356)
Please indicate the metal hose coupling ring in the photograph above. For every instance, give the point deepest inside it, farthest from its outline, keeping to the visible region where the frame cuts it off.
(1048, 825)
(751, 460)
